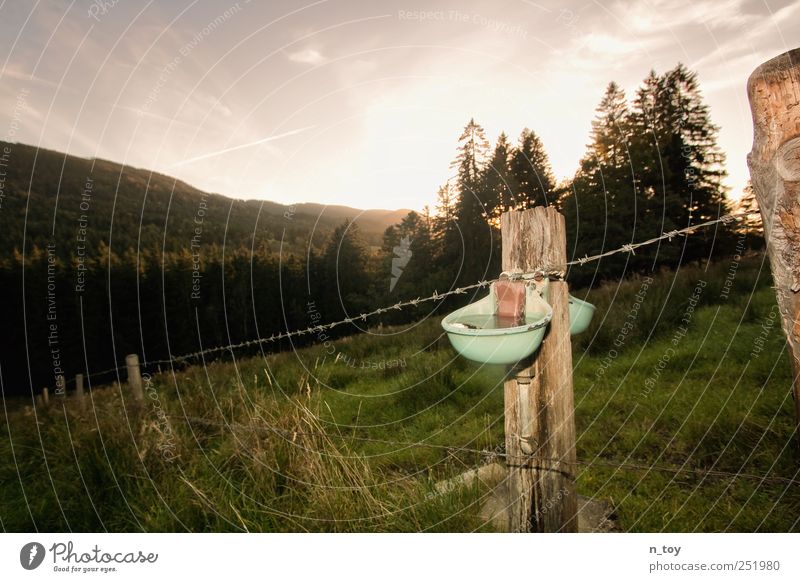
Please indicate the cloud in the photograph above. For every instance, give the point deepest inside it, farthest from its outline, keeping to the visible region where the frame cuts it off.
(662, 15)
(606, 44)
(307, 56)
(754, 45)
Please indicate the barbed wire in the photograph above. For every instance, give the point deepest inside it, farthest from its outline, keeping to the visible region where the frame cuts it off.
(631, 247)
(551, 272)
(87, 377)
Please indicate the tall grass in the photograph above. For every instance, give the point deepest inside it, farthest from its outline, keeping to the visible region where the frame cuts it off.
(657, 303)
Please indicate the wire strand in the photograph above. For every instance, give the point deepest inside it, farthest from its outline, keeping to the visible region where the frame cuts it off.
(556, 272)
(490, 455)
(436, 296)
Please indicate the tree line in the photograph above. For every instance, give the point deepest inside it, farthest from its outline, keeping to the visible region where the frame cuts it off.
(652, 166)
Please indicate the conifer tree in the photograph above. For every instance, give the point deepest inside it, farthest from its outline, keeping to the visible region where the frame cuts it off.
(499, 183)
(601, 208)
(531, 173)
(479, 242)
(345, 277)
(473, 153)
(681, 165)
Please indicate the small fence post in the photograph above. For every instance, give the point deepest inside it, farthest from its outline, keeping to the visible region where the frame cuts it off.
(539, 401)
(134, 376)
(46, 396)
(774, 162)
(79, 392)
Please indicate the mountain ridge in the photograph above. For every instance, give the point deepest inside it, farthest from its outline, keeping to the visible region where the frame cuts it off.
(47, 192)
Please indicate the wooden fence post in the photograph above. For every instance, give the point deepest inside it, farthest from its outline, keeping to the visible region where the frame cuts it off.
(134, 376)
(539, 401)
(774, 92)
(79, 392)
(46, 396)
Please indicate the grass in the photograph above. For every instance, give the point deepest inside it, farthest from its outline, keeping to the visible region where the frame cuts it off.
(296, 441)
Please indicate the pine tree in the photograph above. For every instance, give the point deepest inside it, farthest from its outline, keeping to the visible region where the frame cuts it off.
(499, 184)
(473, 153)
(445, 235)
(345, 278)
(445, 219)
(601, 208)
(531, 173)
(681, 163)
(479, 242)
(408, 252)
(659, 207)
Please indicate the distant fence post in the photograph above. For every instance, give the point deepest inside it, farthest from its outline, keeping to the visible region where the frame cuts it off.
(46, 396)
(539, 401)
(79, 392)
(134, 376)
(774, 92)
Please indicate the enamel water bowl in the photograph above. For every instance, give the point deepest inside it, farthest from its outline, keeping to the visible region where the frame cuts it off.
(479, 334)
(580, 315)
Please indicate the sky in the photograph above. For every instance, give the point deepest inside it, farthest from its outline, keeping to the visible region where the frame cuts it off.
(358, 103)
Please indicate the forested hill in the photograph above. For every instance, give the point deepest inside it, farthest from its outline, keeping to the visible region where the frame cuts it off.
(85, 198)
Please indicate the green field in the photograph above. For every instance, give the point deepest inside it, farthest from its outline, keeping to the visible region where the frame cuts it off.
(681, 384)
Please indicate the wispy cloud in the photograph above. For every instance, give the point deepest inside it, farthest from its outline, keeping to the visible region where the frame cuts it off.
(611, 45)
(307, 56)
(662, 15)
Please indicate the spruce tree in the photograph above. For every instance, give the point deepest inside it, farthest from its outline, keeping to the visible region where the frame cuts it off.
(346, 284)
(473, 153)
(531, 173)
(681, 163)
(499, 183)
(446, 237)
(601, 208)
(479, 242)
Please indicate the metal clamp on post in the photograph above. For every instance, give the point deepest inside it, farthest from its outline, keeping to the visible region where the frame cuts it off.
(524, 378)
(527, 443)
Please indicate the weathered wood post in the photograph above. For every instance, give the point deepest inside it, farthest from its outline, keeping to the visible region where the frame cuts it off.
(134, 376)
(539, 401)
(79, 392)
(774, 92)
(46, 396)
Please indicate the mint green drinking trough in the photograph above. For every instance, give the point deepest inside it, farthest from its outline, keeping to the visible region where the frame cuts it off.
(508, 324)
(580, 315)
(482, 333)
